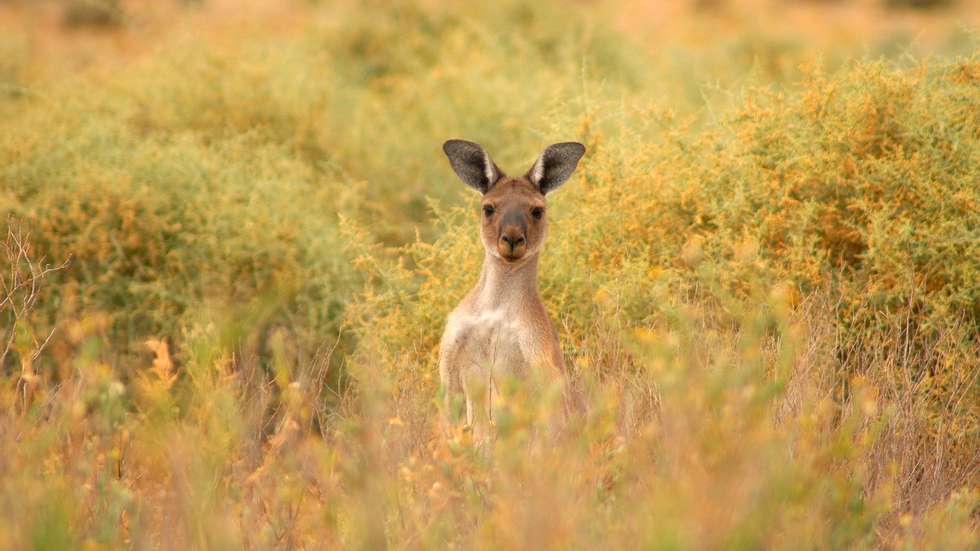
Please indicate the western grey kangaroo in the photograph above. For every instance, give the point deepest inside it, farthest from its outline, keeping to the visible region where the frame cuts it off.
(501, 329)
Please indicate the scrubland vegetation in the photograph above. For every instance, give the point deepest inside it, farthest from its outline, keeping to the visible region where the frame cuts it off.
(231, 241)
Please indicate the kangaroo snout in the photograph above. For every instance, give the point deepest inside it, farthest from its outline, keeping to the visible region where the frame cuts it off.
(512, 244)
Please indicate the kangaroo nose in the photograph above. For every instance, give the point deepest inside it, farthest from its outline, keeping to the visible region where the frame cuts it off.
(513, 240)
(512, 244)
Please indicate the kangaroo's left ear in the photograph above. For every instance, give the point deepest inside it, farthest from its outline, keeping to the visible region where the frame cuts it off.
(555, 165)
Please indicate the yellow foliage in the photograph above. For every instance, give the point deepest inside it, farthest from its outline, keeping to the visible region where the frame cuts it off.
(764, 275)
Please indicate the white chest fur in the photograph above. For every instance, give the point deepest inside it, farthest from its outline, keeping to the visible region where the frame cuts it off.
(493, 342)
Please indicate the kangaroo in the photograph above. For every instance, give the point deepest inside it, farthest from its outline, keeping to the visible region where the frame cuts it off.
(501, 329)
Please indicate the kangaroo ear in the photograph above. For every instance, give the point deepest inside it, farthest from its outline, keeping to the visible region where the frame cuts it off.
(555, 165)
(472, 164)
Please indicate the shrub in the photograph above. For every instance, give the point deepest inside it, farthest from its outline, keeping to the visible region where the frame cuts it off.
(94, 13)
(851, 185)
(766, 292)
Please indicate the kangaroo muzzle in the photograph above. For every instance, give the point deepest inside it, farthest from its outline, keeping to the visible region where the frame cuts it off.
(513, 236)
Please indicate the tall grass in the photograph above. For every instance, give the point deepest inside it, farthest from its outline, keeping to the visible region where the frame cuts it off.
(228, 266)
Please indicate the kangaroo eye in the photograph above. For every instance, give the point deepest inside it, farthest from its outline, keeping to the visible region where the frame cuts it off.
(537, 213)
(488, 210)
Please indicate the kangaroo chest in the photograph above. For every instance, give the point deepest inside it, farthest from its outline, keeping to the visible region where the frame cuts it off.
(495, 342)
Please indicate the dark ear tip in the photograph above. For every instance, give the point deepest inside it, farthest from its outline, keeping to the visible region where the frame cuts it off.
(456, 144)
(569, 149)
(451, 145)
(578, 148)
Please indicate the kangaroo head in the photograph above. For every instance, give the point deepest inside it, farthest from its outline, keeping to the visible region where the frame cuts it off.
(514, 209)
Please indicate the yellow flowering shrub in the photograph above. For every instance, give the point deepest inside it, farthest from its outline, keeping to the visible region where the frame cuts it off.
(764, 275)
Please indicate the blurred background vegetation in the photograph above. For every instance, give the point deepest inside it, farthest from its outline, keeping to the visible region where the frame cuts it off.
(231, 241)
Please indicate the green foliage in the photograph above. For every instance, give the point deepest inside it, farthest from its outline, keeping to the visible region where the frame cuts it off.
(918, 4)
(94, 13)
(862, 185)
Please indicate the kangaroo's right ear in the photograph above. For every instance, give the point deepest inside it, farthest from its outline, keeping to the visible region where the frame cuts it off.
(472, 164)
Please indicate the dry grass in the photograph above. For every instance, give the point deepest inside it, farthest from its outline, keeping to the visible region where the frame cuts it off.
(764, 275)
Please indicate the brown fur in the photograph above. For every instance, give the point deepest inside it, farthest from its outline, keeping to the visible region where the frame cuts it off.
(501, 330)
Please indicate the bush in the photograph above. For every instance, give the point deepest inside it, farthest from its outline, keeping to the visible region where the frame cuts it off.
(766, 293)
(860, 186)
(94, 13)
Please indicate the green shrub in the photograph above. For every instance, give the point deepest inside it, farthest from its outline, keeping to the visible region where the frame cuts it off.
(94, 13)
(862, 184)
